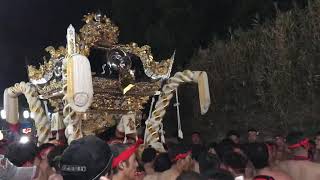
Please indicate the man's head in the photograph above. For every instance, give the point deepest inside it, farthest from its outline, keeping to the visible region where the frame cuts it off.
(196, 138)
(297, 142)
(234, 163)
(42, 156)
(54, 157)
(208, 161)
(124, 163)
(225, 146)
(234, 136)
(181, 156)
(22, 154)
(317, 140)
(212, 148)
(148, 155)
(162, 162)
(258, 154)
(86, 158)
(252, 135)
(279, 140)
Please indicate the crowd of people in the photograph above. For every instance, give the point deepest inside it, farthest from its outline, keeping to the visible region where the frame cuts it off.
(290, 157)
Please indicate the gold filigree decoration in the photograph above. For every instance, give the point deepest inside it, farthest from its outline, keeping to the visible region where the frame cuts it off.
(151, 67)
(36, 74)
(95, 121)
(103, 85)
(56, 103)
(108, 102)
(48, 90)
(97, 30)
(56, 53)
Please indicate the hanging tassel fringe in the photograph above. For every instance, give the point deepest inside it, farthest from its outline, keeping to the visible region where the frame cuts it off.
(180, 133)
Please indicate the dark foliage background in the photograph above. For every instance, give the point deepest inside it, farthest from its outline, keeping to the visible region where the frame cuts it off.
(267, 77)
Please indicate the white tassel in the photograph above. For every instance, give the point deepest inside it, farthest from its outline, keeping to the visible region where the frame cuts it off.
(180, 133)
(151, 107)
(125, 139)
(150, 114)
(80, 89)
(46, 109)
(163, 140)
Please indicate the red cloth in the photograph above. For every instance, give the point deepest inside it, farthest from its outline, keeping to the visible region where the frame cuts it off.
(181, 156)
(303, 143)
(14, 127)
(44, 152)
(126, 154)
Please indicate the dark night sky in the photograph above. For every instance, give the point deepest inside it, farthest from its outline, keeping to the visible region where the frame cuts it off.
(27, 27)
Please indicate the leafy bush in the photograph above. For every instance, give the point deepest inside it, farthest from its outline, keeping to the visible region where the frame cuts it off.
(267, 77)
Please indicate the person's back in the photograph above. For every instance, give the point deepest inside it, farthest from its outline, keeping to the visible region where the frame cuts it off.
(275, 173)
(181, 159)
(300, 167)
(259, 156)
(301, 170)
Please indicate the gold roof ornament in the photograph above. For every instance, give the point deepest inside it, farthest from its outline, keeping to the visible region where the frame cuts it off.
(152, 68)
(98, 30)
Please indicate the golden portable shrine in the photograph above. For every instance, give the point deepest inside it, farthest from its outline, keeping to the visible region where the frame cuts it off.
(86, 102)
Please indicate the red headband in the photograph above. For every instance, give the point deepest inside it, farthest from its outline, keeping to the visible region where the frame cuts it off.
(57, 142)
(126, 154)
(181, 156)
(262, 177)
(304, 143)
(45, 151)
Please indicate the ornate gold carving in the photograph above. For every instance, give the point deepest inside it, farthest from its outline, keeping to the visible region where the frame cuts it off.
(95, 121)
(152, 68)
(50, 89)
(56, 53)
(97, 30)
(36, 74)
(48, 65)
(56, 103)
(103, 85)
(108, 102)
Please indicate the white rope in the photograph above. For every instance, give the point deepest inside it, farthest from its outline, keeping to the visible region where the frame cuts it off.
(180, 133)
(151, 107)
(153, 124)
(149, 116)
(40, 119)
(162, 132)
(46, 109)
